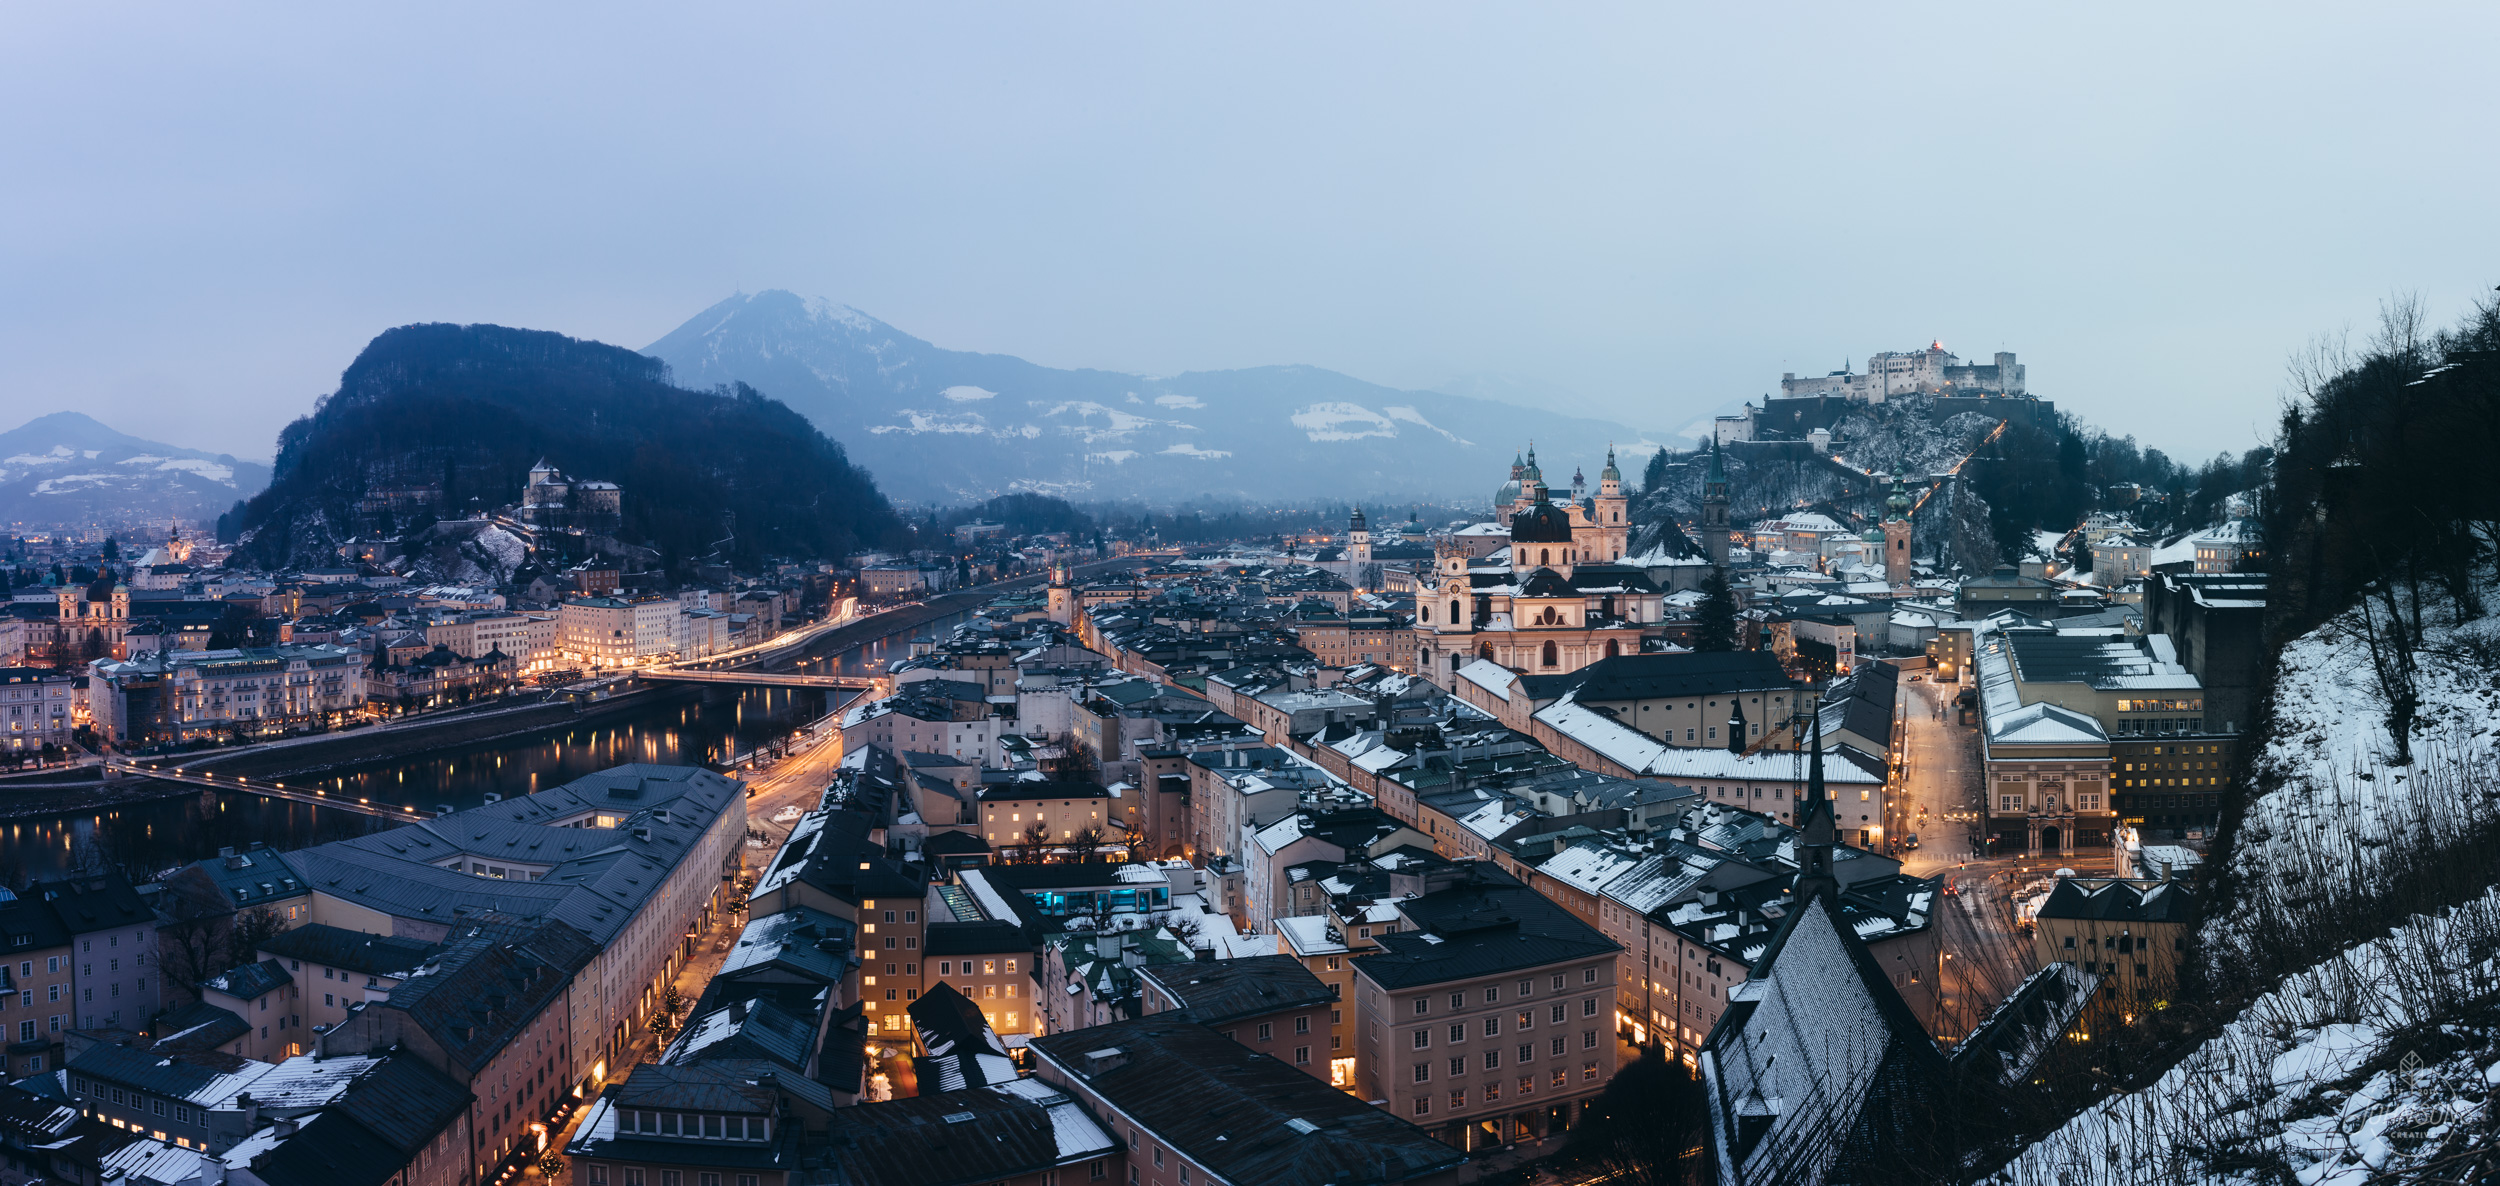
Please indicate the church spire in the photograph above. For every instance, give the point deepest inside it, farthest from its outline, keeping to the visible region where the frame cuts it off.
(1816, 829)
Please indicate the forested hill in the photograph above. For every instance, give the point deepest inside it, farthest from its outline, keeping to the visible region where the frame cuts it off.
(451, 417)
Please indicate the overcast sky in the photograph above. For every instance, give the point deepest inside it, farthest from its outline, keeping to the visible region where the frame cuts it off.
(206, 210)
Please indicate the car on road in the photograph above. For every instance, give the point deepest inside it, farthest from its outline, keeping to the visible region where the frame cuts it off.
(1911, 840)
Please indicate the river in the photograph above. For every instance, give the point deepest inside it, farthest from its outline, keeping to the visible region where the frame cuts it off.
(704, 723)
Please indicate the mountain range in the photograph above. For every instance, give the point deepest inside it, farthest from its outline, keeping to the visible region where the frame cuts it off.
(940, 425)
(66, 468)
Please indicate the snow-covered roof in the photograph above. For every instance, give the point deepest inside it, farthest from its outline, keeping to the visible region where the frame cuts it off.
(1490, 676)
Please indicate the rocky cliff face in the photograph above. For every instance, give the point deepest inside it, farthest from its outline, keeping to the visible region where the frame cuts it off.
(1770, 479)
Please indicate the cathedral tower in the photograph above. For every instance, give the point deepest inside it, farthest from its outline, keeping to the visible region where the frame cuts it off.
(1897, 571)
(1358, 539)
(1714, 508)
(1611, 511)
(1062, 594)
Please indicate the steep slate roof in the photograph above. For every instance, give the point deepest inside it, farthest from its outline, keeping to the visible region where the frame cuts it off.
(794, 944)
(250, 980)
(353, 951)
(493, 979)
(1215, 992)
(199, 1026)
(91, 902)
(1694, 673)
(1490, 924)
(974, 938)
(1815, 1064)
(1235, 1111)
(979, 1134)
(747, 1029)
(2119, 901)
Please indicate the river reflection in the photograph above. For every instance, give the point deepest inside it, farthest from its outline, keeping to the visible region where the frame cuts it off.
(690, 727)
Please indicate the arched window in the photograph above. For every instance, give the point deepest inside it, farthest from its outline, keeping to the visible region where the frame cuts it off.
(1453, 611)
(1613, 648)
(1545, 555)
(1427, 615)
(1553, 657)
(1484, 650)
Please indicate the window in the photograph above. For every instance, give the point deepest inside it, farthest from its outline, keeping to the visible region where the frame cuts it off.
(1423, 1072)
(1558, 1045)
(1527, 1019)
(1423, 1105)
(1558, 1012)
(1301, 1056)
(1526, 1052)
(1267, 1030)
(1458, 1066)
(1492, 1027)
(1458, 1000)
(707, 1179)
(1458, 1099)
(1588, 1072)
(1492, 994)
(1302, 1024)
(1588, 1039)
(1492, 1060)
(598, 1175)
(672, 1178)
(1423, 1005)
(1588, 975)
(1588, 1007)
(1423, 1039)
(1526, 986)
(1458, 1031)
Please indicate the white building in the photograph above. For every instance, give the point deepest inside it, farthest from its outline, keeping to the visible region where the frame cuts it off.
(618, 631)
(182, 695)
(36, 704)
(1934, 370)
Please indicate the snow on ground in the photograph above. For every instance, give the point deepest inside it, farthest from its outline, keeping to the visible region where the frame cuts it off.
(2334, 1076)
(1334, 421)
(2329, 752)
(2351, 1070)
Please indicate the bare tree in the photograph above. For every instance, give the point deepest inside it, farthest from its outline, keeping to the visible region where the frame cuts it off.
(1082, 844)
(1034, 842)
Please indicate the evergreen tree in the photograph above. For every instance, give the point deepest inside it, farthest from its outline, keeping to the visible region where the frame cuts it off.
(1715, 621)
(1655, 474)
(112, 548)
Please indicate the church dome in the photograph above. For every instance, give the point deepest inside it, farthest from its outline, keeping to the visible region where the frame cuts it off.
(1506, 495)
(1543, 523)
(101, 589)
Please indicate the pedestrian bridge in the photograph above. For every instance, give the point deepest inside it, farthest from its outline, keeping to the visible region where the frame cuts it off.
(760, 679)
(316, 796)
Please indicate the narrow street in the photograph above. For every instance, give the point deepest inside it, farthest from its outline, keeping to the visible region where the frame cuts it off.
(1985, 956)
(1940, 779)
(799, 781)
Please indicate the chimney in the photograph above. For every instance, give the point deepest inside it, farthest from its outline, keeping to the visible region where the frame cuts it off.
(251, 1111)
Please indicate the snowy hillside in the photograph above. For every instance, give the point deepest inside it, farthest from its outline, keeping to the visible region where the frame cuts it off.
(2377, 1065)
(66, 467)
(942, 424)
(2375, 1059)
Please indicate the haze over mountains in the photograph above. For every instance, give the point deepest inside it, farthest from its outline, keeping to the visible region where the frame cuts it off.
(68, 468)
(943, 425)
